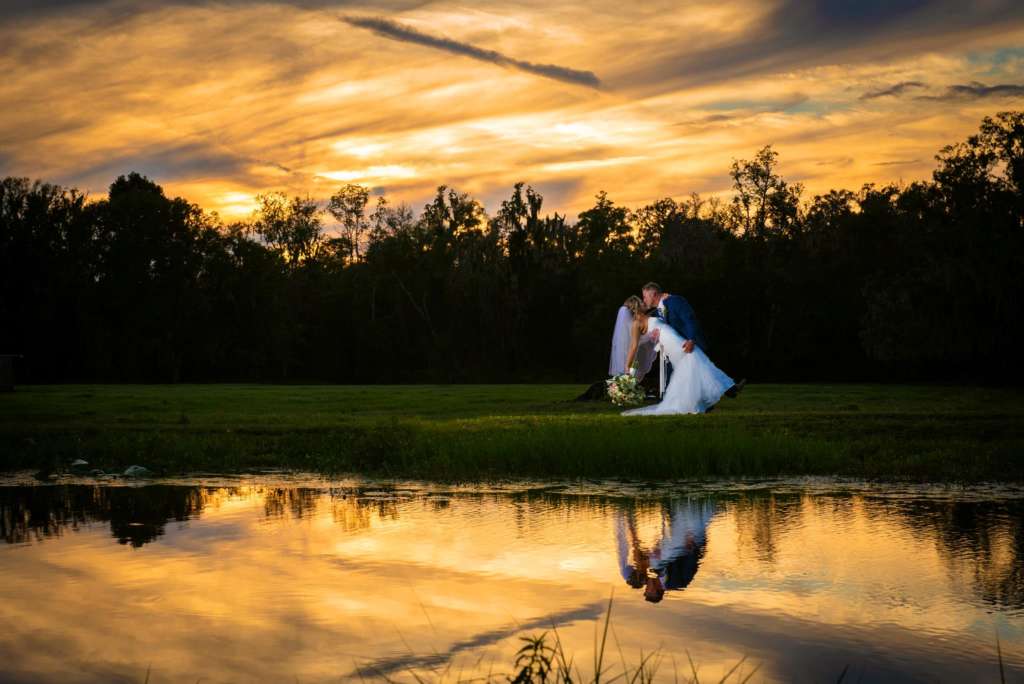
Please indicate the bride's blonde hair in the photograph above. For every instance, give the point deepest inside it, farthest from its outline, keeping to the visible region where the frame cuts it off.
(634, 304)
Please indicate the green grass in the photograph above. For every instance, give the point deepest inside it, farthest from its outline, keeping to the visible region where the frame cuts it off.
(479, 431)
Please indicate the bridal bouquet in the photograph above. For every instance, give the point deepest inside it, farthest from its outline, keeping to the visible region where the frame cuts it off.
(625, 390)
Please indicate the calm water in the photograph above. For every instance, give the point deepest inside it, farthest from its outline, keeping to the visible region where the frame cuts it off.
(288, 579)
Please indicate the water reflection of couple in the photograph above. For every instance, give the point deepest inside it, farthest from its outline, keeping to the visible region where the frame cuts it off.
(671, 561)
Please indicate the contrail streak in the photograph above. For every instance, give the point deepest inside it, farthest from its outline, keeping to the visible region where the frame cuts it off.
(395, 31)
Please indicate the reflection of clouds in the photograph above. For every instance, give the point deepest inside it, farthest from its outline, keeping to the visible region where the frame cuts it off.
(288, 598)
(227, 100)
(797, 648)
(277, 582)
(387, 666)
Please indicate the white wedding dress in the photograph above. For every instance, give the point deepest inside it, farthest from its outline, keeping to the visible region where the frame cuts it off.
(695, 385)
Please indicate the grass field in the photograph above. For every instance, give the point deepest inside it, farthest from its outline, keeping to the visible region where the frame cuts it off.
(478, 431)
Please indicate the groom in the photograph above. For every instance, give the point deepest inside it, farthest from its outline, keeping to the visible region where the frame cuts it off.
(678, 313)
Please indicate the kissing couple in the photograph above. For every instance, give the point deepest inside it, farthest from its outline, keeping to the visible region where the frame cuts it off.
(666, 323)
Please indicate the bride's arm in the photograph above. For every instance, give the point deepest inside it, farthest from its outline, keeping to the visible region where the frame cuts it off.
(634, 342)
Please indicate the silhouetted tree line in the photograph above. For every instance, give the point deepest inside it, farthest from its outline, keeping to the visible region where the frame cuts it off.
(903, 281)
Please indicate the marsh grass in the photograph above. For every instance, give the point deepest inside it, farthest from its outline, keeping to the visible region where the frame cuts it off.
(481, 432)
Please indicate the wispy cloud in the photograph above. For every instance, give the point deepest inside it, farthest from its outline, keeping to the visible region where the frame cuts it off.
(977, 91)
(131, 7)
(170, 162)
(799, 34)
(969, 91)
(396, 31)
(893, 90)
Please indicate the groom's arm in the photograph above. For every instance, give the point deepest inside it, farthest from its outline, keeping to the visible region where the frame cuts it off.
(693, 331)
(682, 318)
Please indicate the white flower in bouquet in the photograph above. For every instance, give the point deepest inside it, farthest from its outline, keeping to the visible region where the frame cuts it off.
(625, 390)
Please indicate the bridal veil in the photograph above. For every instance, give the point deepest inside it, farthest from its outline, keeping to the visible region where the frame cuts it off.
(645, 353)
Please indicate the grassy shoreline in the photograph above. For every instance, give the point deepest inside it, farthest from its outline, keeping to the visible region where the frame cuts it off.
(484, 432)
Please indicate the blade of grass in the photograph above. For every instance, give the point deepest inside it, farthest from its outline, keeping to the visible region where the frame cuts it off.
(734, 668)
(752, 673)
(693, 668)
(999, 654)
(599, 656)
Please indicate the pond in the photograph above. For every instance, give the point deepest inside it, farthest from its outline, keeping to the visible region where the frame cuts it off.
(285, 578)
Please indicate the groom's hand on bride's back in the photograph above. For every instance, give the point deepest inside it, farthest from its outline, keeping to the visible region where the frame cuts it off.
(688, 346)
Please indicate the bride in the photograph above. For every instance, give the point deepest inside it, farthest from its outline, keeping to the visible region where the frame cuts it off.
(695, 385)
(644, 352)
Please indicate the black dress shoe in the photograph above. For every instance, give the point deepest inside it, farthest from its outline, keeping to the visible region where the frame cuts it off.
(734, 391)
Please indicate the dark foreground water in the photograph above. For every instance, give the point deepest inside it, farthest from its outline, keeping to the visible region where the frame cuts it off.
(286, 579)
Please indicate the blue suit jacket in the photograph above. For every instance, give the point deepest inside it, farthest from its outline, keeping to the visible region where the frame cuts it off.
(680, 315)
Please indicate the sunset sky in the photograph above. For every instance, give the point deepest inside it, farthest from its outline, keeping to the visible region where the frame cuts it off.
(219, 101)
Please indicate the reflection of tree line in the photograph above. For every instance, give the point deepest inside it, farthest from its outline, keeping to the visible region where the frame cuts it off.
(300, 502)
(349, 509)
(762, 521)
(138, 515)
(981, 543)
